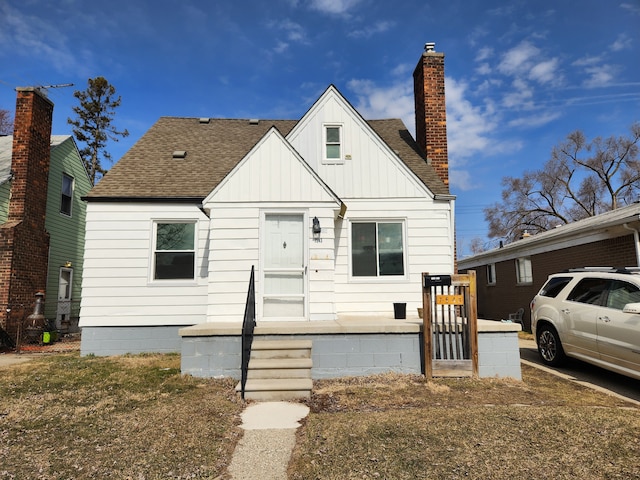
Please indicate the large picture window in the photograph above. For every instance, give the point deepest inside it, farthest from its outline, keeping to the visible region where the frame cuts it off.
(174, 253)
(377, 249)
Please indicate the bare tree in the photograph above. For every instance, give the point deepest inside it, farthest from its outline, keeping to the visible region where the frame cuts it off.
(581, 179)
(6, 123)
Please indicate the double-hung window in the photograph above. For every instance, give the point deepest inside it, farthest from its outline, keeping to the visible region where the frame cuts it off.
(524, 274)
(377, 249)
(174, 251)
(332, 143)
(66, 197)
(491, 274)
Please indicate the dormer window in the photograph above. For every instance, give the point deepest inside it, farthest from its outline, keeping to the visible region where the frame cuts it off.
(333, 143)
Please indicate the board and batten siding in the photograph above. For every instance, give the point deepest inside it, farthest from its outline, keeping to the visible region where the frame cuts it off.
(372, 171)
(236, 246)
(273, 178)
(66, 232)
(117, 288)
(428, 244)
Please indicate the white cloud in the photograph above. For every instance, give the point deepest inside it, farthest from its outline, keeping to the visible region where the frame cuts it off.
(631, 8)
(484, 69)
(545, 72)
(484, 53)
(518, 60)
(623, 42)
(535, 120)
(461, 180)
(378, 27)
(599, 76)
(471, 129)
(395, 101)
(31, 36)
(520, 97)
(336, 7)
(586, 61)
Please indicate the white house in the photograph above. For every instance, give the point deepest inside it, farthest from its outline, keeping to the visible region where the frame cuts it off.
(339, 215)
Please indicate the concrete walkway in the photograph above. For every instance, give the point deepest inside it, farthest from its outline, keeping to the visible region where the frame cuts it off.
(270, 435)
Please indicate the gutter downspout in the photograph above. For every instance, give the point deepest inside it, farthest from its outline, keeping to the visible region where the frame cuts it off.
(636, 241)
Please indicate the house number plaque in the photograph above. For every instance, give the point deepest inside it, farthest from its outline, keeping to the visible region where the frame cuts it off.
(449, 300)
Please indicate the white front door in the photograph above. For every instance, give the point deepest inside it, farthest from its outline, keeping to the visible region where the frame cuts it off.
(284, 268)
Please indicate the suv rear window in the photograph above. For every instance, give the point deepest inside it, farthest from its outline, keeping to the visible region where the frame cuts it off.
(554, 286)
(589, 290)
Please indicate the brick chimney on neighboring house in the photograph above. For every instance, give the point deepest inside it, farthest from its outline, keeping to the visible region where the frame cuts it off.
(431, 114)
(24, 241)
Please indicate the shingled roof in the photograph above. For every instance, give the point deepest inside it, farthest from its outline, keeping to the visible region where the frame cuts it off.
(213, 148)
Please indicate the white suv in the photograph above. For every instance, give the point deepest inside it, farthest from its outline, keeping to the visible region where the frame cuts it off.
(592, 314)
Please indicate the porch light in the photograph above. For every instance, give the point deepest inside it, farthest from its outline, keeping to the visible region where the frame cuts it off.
(317, 230)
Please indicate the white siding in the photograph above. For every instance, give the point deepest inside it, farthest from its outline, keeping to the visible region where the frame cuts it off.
(271, 172)
(373, 171)
(429, 248)
(117, 289)
(235, 247)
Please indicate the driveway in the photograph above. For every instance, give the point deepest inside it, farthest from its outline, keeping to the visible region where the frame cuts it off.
(584, 373)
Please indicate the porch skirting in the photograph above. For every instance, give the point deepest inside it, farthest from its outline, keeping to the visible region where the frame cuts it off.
(350, 346)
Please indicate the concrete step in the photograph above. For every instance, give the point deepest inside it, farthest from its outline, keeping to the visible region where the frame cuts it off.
(262, 349)
(281, 344)
(280, 368)
(277, 389)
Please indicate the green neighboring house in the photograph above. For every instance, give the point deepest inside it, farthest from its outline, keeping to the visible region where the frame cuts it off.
(65, 223)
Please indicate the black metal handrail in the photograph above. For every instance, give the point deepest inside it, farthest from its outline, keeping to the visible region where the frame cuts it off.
(248, 324)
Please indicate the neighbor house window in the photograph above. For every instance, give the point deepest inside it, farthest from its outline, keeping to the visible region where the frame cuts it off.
(491, 274)
(523, 270)
(377, 249)
(174, 253)
(333, 143)
(66, 199)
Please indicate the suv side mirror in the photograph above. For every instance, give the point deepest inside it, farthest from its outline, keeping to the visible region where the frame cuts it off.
(633, 308)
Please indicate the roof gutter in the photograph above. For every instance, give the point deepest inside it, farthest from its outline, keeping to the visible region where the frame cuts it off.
(636, 240)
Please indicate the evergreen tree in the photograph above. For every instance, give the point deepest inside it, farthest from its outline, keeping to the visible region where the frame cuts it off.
(93, 125)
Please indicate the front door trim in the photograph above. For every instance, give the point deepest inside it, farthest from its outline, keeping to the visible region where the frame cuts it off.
(302, 214)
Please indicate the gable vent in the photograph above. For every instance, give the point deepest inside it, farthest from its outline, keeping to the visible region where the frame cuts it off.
(204, 120)
(254, 121)
(179, 154)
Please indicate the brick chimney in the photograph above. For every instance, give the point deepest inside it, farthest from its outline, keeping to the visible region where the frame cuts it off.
(431, 115)
(24, 241)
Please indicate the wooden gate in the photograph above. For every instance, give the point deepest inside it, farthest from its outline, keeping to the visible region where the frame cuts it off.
(450, 325)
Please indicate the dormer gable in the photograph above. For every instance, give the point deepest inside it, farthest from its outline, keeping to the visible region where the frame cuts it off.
(350, 155)
(272, 171)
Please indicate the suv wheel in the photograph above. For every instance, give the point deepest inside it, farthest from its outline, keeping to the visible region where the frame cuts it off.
(549, 346)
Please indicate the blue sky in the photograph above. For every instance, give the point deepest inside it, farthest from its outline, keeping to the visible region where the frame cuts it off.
(520, 75)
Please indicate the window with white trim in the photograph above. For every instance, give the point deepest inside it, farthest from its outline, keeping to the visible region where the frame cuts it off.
(524, 274)
(66, 197)
(491, 274)
(332, 143)
(174, 254)
(377, 249)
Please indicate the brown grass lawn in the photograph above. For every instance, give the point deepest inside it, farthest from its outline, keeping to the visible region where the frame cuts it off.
(404, 427)
(137, 417)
